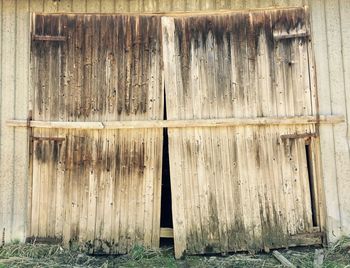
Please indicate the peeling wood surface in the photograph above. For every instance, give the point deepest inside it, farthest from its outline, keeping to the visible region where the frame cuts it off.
(98, 188)
(238, 188)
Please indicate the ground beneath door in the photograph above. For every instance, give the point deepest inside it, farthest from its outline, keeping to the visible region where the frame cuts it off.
(29, 255)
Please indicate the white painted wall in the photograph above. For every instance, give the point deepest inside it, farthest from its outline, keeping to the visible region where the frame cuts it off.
(331, 42)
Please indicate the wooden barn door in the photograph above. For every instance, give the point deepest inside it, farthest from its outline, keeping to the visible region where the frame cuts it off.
(252, 186)
(96, 187)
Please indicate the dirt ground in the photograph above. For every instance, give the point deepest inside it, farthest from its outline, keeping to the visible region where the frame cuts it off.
(39, 255)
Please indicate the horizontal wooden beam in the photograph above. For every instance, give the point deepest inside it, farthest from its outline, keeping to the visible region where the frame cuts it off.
(280, 36)
(298, 136)
(182, 13)
(166, 232)
(44, 240)
(225, 122)
(48, 138)
(57, 38)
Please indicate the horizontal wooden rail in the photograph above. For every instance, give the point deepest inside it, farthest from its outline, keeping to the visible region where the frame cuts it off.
(280, 36)
(183, 13)
(166, 232)
(225, 122)
(57, 38)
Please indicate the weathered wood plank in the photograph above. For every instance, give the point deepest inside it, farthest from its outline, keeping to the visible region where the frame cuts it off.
(282, 259)
(166, 232)
(226, 122)
(21, 140)
(7, 104)
(90, 210)
(59, 188)
(93, 6)
(121, 6)
(37, 37)
(65, 6)
(36, 189)
(319, 42)
(250, 89)
(178, 202)
(318, 258)
(338, 98)
(50, 6)
(79, 5)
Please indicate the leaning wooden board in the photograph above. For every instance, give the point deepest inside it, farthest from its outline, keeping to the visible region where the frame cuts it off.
(240, 188)
(100, 188)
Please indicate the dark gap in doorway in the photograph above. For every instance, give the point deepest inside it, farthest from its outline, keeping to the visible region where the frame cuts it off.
(309, 161)
(166, 215)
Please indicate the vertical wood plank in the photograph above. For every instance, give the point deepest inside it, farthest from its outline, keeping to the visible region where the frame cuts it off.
(157, 164)
(338, 99)
(107, 6)
(59, 188)
(208, 5)
(168, 30)
(178, 5)
(34, 178)
(121, 6)
(93, 6)
(8, 89)
(79, 5)
(34, 231)
(65, 6)
(150, 6)
(135, 5)
(319, 40)
(21, 111)
(238, 4)
(345, 39)
(222, 4)
(165, 5)
(37, 6)
(50, 6)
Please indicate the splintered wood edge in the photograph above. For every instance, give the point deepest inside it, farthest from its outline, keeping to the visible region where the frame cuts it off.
(226, 122)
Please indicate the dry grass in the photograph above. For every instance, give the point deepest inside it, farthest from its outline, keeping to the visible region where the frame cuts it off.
(39, 255)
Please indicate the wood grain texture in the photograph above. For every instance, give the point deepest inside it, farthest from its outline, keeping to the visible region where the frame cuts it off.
(329, 169)
(338, 97)
(232, 66)
(92, 187)
(220, 122)
(7, 104)
(320, 15)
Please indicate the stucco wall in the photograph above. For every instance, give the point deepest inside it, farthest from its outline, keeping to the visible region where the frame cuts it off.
(331, 39)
